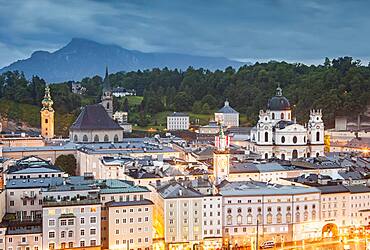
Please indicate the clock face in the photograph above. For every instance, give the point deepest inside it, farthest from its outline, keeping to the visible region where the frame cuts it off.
(318, 127)
(266, 128)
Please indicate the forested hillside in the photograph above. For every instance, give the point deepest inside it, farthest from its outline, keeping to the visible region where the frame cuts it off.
(339, 87)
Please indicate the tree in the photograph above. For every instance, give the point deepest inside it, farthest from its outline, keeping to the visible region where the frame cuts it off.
(67, 163)
(206, 109)
(126, 107)
(197, 107)
(182, 102)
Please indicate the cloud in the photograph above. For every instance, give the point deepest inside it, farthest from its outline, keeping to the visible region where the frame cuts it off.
(305, 31)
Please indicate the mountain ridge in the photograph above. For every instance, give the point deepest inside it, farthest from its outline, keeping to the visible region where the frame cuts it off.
(85, 58)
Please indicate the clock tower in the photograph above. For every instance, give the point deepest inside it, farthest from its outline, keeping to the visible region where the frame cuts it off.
(221, 157)
(47, 115)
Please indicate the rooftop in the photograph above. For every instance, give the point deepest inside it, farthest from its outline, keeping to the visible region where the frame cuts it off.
(227, 109)
(262, 188)
(129, 203)
(94, 117)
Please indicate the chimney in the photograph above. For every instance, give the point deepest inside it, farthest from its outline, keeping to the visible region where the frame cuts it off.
(180, 192)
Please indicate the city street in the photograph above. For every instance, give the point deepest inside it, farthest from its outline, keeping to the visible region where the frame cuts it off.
(328, 245)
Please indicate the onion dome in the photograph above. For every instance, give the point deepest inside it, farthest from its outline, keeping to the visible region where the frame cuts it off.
(47, 102)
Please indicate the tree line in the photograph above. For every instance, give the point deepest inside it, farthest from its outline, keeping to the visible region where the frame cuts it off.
(340, 87)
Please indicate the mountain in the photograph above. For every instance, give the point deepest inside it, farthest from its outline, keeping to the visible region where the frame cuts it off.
(81, 58)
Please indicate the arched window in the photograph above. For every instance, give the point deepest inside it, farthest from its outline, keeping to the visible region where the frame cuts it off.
(317, 136)
(46, 121)
(295, 154)
(313, 214)
(269, 218)
(297, 217)
(304, 139)
(239, 219)
(282, 139)
(266, 136)
(96, 138)
(317, 154)
(115, 138)
(282, 116)
(288, 116)
(107, 105)
(283, 156)
(249, 219)
(288, 218)
(308, 155)
(106, 138)
(295, 139)
(305, 216)
(266, 155)
(273, 116)
(279, 218)
(85, 139)
(75, 138)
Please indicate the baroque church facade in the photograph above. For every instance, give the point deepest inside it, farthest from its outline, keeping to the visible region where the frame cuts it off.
(277, 135)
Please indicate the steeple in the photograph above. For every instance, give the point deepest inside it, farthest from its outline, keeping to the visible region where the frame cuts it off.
(47, 115)
(106, 98)
(106, 83)
(222, 141)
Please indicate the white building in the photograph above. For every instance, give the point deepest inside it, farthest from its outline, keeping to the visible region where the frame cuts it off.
(277, 135)
(178, 121)
(227, 116)
(71, 217)
(281, 213)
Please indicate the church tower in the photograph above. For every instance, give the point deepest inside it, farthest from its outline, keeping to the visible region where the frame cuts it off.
(107, 99)
(221, 157)
(47, 115)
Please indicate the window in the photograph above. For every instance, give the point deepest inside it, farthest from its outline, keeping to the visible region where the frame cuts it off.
(297, 217)
(269, 218)
(63, 222)
(273, 116)
(282, 139)
(93, 219)
(82, 243)
(279, 218)
(229, 220)
(295, 139)
(93, 209)
(92, 231)
(266, 136)
(106, 138)
(239, 219)
(82, 232)
(249, 219)
(288, 218)
(11, 203)
(84, 138)
(82, 220)
(51, 235)
(70, 244)
(70, 233)
(63, 234)
(51, 246)
(282, 116)
(51, 223)
(96, 138)
(317, 136)
(92, 242)
(70, 222)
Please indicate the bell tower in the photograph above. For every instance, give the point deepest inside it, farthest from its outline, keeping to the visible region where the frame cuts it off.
(221, 157)
(47, 115)
(107, 99)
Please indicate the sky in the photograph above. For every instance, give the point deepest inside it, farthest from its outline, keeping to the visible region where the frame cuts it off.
(303, 31)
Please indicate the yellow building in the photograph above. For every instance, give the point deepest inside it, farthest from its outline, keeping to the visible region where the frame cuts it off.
(47, 115)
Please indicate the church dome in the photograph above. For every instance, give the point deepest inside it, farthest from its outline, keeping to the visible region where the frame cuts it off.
(278, 102)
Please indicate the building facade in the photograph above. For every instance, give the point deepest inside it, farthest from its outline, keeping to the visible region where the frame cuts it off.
(227, 116)
(178, 121)
(277, 135)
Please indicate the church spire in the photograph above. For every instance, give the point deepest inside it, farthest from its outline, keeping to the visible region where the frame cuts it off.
(106, 83)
